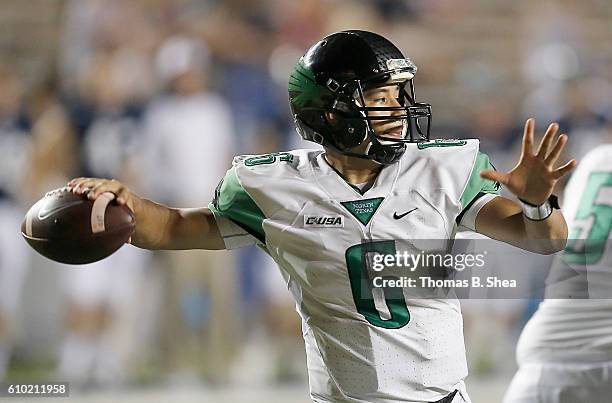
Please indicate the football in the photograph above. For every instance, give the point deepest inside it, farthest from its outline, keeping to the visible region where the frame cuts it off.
(70, 228)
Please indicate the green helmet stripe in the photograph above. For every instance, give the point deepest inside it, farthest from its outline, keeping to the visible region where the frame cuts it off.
(303, 88)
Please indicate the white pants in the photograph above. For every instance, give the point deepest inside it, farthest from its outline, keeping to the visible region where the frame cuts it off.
(561, 383)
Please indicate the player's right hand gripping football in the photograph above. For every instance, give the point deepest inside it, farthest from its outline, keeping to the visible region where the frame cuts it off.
(94, 187)
(157, 226)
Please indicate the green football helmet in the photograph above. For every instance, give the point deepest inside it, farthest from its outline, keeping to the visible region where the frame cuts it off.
(332, 77)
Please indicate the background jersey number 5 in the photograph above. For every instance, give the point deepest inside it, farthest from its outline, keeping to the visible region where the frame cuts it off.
(361, 286)
(593, 221)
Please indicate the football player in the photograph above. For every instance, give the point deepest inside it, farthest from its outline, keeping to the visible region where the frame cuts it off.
(317, 213)
(565, 350)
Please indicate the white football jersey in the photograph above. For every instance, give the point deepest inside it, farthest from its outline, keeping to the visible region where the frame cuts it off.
(579, 330)
(360, 346)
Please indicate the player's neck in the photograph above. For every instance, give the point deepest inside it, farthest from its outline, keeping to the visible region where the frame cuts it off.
(354, 170)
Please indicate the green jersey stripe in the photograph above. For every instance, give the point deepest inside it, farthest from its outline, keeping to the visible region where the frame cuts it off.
(477, 184)
(233, 201)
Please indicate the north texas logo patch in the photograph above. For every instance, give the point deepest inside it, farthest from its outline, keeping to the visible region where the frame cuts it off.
(324, 221)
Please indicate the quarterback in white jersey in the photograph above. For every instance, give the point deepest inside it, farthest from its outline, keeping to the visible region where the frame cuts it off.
(378, 179)
(565, 350)
(317, 228)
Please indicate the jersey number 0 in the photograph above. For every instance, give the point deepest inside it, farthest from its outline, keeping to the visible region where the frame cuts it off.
(361, 286)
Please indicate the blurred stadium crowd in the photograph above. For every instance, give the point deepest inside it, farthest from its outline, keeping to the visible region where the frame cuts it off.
(160, 94)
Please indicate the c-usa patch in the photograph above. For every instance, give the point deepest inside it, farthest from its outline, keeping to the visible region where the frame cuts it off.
(324, 221)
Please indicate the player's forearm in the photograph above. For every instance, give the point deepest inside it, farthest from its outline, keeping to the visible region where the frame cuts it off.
(152, 221)
(192, 228)
(503, 219)
(162, 227)
(549, 235)
(543, 237)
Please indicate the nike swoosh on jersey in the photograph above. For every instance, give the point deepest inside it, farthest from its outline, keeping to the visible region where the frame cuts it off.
(400, 216)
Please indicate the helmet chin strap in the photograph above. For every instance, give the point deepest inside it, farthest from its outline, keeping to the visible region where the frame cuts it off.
(377, 152)
(385, 154)
(381, 151)
(349, 153)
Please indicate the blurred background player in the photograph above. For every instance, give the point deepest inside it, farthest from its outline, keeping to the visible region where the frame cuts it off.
(188, 139)
(104, 299)
(15, 150)
(565, 350)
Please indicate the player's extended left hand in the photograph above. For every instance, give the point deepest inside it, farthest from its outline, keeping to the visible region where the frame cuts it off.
(534, 177)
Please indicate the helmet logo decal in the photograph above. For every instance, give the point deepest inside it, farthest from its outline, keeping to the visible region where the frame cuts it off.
(302, 85)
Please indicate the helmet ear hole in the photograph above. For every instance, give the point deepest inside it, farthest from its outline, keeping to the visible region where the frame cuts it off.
(349, 133)
(331, 118)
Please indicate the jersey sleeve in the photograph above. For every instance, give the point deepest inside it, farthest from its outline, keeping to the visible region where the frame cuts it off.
(239, 219)
(477, 192)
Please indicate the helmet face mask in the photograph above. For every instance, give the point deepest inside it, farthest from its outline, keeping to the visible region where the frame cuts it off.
(334, 78)
(413, 117)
